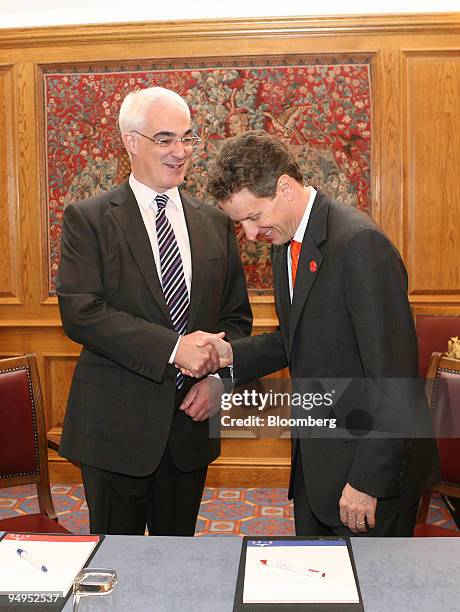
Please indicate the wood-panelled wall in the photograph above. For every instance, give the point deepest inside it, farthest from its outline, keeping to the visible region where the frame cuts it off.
(415, 171)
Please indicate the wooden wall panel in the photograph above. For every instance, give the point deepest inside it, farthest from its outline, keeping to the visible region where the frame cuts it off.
(58, 375)
(9, 230)
(29, 165)
(433, 186)
(415, 161)
(387, 168)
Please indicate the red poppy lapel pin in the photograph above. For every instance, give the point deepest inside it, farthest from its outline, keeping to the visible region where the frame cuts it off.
(313, 265)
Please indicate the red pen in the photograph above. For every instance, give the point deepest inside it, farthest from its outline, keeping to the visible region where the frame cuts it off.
(298, 569)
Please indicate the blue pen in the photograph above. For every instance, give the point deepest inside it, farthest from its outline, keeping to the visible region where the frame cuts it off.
(25, 555)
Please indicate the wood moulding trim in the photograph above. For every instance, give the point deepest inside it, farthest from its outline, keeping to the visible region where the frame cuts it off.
(226, 471)
(64, 472)
(261, 299)
(261, 324)
(30, 324)
(429, 298)
(265, 323)
(49, 300)
(435, 312)
(229, 28)
(265, 462)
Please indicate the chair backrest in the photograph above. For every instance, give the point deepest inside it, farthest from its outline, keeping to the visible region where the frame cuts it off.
(433, 332)
(23, 444)
(443, 391)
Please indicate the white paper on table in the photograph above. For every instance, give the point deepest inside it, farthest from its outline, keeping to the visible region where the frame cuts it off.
(268, 584)
(63, 555)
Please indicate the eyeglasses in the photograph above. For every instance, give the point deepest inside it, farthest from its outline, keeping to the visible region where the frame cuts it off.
(189, 142)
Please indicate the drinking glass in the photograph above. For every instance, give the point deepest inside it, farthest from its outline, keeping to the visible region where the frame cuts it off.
(95, 590)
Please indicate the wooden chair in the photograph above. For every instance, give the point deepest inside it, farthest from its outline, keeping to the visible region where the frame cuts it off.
(23, 443)
(433, 331)
(443, 392)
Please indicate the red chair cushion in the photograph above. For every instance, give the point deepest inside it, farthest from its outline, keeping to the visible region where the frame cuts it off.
(445, 403)
(18, 435)
(32, 523)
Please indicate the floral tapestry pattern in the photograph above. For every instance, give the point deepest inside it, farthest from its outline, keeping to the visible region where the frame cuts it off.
(320, 106)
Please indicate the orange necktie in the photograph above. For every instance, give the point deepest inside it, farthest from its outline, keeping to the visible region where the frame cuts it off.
(295, 252)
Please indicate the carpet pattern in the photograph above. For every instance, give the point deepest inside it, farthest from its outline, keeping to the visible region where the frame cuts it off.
(222, 511)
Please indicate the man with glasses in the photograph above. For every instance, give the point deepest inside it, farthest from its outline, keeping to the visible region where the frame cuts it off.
(144, 268)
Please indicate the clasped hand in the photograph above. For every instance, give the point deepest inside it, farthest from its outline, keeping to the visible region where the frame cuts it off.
(201, 353)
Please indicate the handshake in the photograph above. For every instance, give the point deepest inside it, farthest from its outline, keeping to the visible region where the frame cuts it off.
(201, 353)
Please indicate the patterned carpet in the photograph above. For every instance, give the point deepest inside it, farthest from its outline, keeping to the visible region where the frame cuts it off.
(222, 511)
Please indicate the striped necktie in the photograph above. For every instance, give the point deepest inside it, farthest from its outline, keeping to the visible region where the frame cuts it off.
(172, 273)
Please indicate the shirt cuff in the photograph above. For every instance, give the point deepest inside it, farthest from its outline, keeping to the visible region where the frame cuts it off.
(173, 354)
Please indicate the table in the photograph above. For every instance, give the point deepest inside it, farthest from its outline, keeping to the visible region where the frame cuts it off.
(166, 574)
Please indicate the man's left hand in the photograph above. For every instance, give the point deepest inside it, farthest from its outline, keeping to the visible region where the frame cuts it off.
(357, 509)
(203, 399)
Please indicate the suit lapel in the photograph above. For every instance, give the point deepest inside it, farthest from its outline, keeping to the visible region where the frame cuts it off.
(310, 260)
(196, 226)
(309, 256)
(130, 220)
(281, 286)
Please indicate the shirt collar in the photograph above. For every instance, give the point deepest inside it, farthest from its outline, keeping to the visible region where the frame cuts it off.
(300, 232)
(145, 195)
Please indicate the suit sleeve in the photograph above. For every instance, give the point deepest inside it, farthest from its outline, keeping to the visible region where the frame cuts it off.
(235, 311)
(375, 285)
(132, 342)
(258, 356)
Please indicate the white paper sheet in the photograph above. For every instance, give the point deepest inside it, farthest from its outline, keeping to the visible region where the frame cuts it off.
(299, 571)
(62, 555)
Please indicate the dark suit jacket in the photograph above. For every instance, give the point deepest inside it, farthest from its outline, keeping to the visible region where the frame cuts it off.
(122, 407)
(350, 320)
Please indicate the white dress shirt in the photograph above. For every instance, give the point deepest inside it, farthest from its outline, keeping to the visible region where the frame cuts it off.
(145, 197)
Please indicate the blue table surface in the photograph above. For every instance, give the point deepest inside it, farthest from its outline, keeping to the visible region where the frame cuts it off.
(162, 574)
